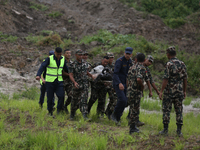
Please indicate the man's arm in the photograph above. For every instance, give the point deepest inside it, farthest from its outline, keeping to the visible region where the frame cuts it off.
(164, 84)
(149, 87)
(116, 79)
(155, 88)
(42, 68)
(72, 79)
(140, 82)
(90, 75)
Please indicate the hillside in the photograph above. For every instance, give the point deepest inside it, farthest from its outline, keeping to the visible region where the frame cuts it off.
(25, 22)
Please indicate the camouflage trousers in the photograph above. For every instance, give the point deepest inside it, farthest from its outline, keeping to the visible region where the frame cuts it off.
(112, 102)
(100, 94)
(68, 90)
(79, 101)
(167, 106)
(134, 102)
(86, 90)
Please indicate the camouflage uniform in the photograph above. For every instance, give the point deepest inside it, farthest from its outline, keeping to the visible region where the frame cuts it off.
(134, 93)
(79, 100)
(112, 94)
(175, 72)
(98, 91)
(68, 85)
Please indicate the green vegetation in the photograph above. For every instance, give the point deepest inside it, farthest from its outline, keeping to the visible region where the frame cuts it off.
(7, 38)
(38, 6)
(55, 14)
(52, 39)
(187, 101)
(196, 105)
(33, 39)
(3, 2)
(23, 125)
(173, 12)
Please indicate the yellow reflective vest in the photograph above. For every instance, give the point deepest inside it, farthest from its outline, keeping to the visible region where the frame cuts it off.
(53, 71)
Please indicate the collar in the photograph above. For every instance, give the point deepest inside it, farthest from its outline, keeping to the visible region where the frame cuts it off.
(173, 58)
(54, 57)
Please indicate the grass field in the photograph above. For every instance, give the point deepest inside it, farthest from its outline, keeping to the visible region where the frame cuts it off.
(23, 125)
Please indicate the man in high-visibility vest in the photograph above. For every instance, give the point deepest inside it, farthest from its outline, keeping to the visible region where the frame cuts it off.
(43, 87)
(54, 65)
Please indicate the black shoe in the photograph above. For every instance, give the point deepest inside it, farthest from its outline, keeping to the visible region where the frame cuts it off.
(66, 110)
(41, 105)
(139, 124)
(72, 116)
(114, 118)
(165, 130)
(108, 114)
(51, 114)
(133, 129)
(86, 118)
(178, 131)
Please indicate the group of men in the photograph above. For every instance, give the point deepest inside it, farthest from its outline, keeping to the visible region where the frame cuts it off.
(126, 88)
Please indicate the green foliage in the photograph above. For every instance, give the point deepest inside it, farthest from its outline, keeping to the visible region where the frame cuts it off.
(47, 32)
(187, 101)
(38, 6)
(196, 105)
(33, 39)
(52, 39)
(149, 104)
(66, 43)
(3, 2)
(7, 38)
(30, 93)
(173, 12)
(55, 14)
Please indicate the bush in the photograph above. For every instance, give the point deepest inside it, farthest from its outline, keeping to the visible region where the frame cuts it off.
(7, 38)
(55, 14)
(53, 39)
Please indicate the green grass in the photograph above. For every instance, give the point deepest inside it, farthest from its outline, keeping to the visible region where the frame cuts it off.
(196, 105)
(187, 101)
(34, 39)
(23, 125)
(55, 14)
(38, 6)
(7, 38)
(173, 12)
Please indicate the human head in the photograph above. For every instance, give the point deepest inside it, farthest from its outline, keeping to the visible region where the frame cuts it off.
(104, 61)
(58, 52)
(51, 52)
(135, 57)
(128, 53)
(171, 52)
(110, 56)
(85, 55)
(79, 54)
(149, 60)
(140, 57)
(67, 53)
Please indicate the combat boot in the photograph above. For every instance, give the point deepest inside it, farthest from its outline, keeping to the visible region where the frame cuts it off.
(165, 130)
(178, 131)
(108, 114)
(86, 118)
(133, 129)
(72, 115)
(139, 123)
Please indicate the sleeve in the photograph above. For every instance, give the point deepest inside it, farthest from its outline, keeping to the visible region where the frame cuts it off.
(166, 75)
(71, 68)
(141, 73)
(65, 67)
(43, 66)
(184, 71)
(116, 79)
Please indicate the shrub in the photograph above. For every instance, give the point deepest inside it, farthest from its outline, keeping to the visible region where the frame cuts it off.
(38, 6)
(55, 14)
(53, 39)
(7, 38)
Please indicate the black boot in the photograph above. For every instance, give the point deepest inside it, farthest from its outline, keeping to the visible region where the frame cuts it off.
(108, 114)
(85, 117)
(165, 130)
(178, 131)
(72, 115)
(115, 119)
(133, 129)
(139, 123)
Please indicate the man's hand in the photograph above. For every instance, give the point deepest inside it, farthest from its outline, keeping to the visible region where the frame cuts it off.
(121, 87)
(160, 95)
(76, 85)
(43, 81)
(37, 78)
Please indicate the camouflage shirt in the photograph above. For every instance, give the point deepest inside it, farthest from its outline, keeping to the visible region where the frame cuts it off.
(111, 66)
(149, 75)
(175, 72)
(66, 79)
(136, 71)
(79, 71)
